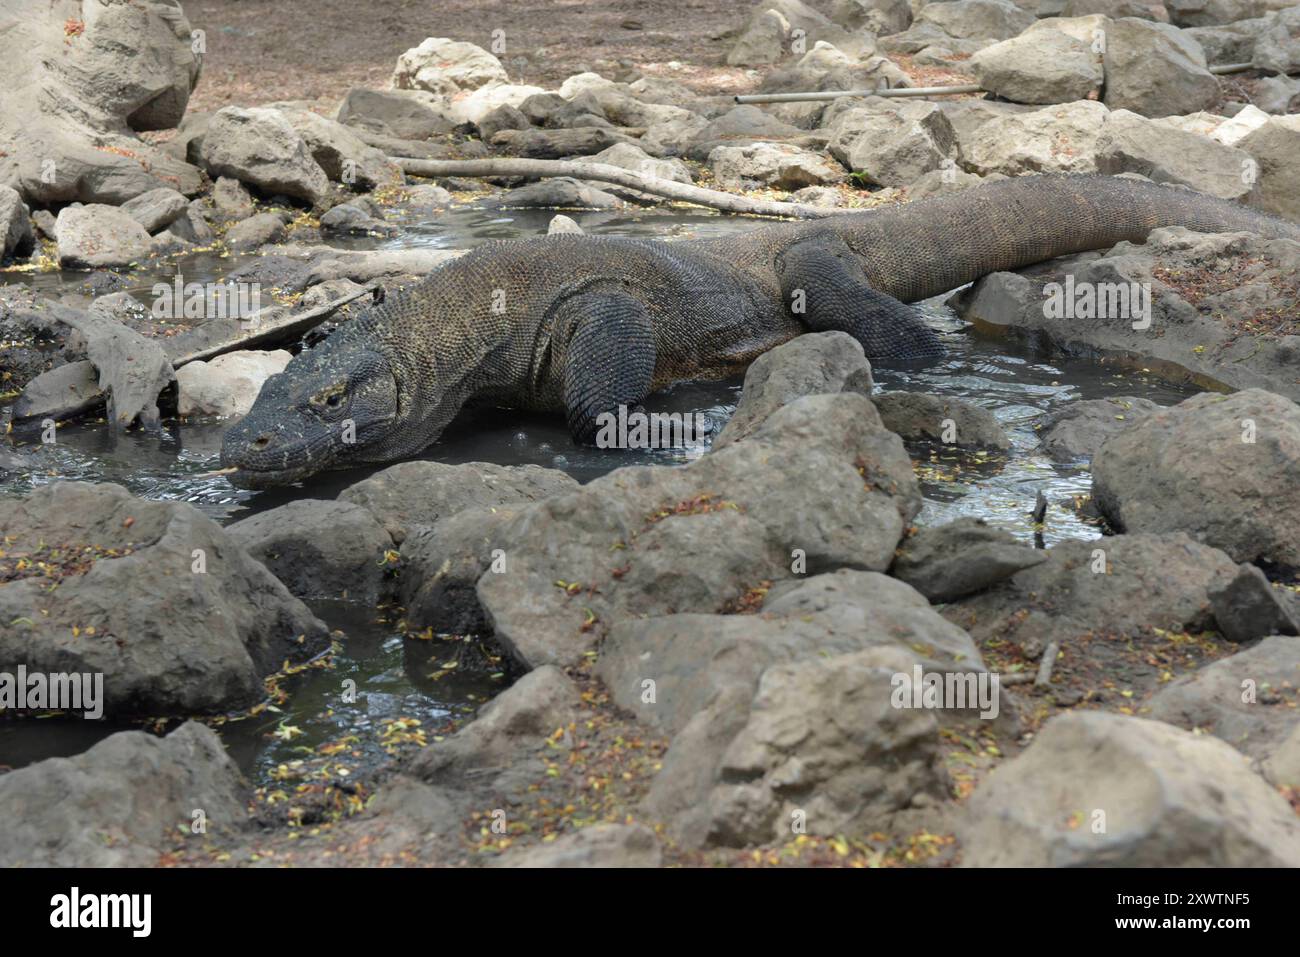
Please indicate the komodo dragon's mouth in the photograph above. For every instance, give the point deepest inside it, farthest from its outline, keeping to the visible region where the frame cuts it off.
(242, 477)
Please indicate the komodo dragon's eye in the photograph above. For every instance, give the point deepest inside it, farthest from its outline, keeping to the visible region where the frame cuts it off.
(332, 397)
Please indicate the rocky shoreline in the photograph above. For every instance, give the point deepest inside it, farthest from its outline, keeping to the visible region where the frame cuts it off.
(756, 658)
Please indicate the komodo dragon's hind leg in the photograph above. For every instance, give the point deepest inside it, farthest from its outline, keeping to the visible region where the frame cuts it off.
(823, 285)
(610, 358)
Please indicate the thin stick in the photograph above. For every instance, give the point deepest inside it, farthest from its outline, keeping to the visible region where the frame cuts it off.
(1046, 663)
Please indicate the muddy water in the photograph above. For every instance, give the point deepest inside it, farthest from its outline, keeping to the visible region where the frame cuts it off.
(392, 674)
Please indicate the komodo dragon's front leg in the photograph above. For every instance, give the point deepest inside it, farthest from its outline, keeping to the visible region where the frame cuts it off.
(823, 285)
(609, 360)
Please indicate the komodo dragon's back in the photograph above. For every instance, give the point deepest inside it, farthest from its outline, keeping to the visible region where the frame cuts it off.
(583, 325)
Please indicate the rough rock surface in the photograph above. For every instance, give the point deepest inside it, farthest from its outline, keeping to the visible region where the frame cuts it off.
(951, 561)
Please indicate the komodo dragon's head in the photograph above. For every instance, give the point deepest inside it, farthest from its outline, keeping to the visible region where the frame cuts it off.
(335, 404)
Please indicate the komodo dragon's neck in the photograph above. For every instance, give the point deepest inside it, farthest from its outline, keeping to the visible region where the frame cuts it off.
(930, 246)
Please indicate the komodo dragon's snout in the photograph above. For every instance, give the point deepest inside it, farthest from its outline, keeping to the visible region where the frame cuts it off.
(329, 401)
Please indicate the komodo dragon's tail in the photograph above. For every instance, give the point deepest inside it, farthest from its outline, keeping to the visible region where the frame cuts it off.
(930, 246)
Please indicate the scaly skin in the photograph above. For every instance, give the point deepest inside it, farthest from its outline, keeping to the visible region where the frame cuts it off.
(580, 324)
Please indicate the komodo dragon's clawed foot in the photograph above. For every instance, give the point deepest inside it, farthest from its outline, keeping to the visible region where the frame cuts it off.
(609, 361)
(824, 286)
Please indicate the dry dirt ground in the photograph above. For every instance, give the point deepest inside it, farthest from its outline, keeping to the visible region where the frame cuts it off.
(260, 51)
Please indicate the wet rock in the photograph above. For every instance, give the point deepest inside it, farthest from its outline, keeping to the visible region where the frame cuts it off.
(1150, 795)
(192, 226)
(1155, 70)
(653, 540)
(1077, 430)
(1272, 146)
(1122, 586)
(16, 237)
(156, 209)
(505, 734)
(560, 192)
(354, 221)
(561, 225)
(1042, 65)
(959, 558)
(63, 392)
(228, 384)
(318, 549)
(184, 621)
(1249, 699)
(1248, 607)
(410, 494)
(1131, 144)
(1220, 468)
(121, 803)
(778, 165)
(133, 369)
(98, 236)
(406, 114)
(597, 845)
(260, 147)
(1234, 332)
(812, 364)
(255, 231)
(928, 418)
(1058, 139)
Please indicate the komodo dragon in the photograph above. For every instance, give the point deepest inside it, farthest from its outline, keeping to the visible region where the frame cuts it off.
(584, 324)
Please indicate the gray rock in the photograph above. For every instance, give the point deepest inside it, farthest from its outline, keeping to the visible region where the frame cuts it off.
(192, 226)
(1039, 66)
(738, 126)
(227, 385)
(558, 144)
(446, 67)
(406, 114)
(561, 225)
(927, 418)
(1282, 767)
(1229, 42)
(257, 230)
(16, 237)
(230, 200)
(1123, 587)
(97, 236)
(1277, 94)
(1248, 608)
(1219, 468)
(1270, 146)
(1248, 699)
(1131, 144)
(1077, 430)
(597, 845)
(1155, 70)
(894, 147)
(409, 494)
(355, 221)
(655, 540)
(1278, 47)
(342, 154)
(560, 192)
(1202, 13)
(1057, 139)
(318, 549)
(122, 803)
(260, 147)
(959, 558)
(63, 392)
(977, 19)
(777, 165)
(812, 364)
(185, 622)
(156, 209)
(502, 118)
(1099, 789)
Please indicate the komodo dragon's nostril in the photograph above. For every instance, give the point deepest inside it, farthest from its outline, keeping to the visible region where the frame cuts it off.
(262, 441)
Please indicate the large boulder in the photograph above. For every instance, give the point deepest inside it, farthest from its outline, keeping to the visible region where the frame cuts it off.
(779, 28)
(226, 385)
(655, 540)
(918, 417)
(951, 561)
(77, 84)
(893, 147)
(122, 803)
(1077, 430)
(812, 364)
(977, 19)
(1040, 66)
(412, 494)
(777, 165)
(1130, 143)
(1104, 790)
(342, 154)
(154, 595)
(447, 67)
(16, 236)
(98, 237)
(1250, 699)
(260, 147)
(318, 549)
(1278, 48)
(1057, 139)
(405, 114)
(1222, 469)
(1155, 70)
(1207, 13)
(1273, 147)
